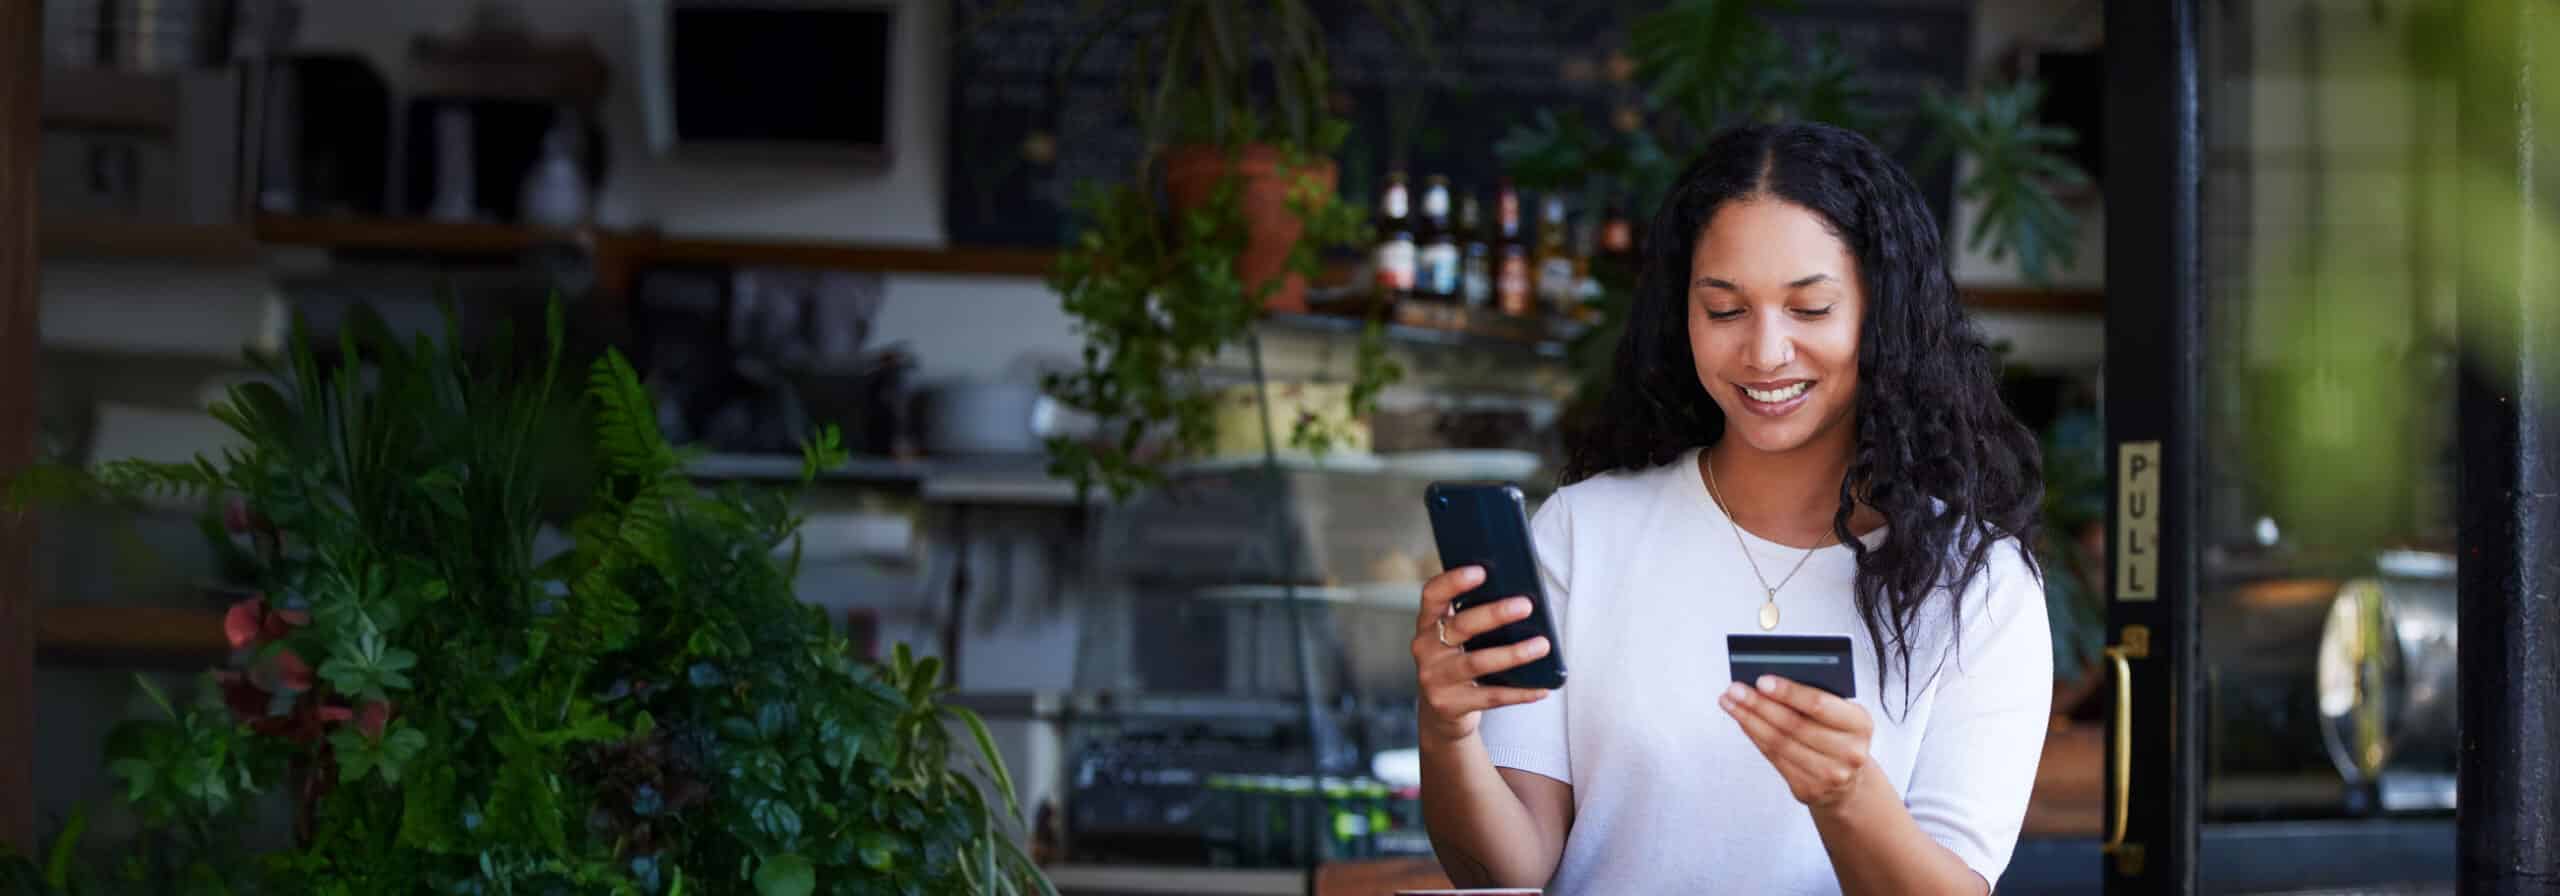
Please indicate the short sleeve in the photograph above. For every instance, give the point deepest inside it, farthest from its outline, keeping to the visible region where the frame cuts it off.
(1531, 736)
(1985, 733)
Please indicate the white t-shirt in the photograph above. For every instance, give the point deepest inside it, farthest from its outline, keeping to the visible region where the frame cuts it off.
(1645, 579)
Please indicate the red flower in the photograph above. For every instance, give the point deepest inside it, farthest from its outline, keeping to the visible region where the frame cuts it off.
(282, 671)
(292, 672)
(241, 623)
(373, 717)
(251, 622)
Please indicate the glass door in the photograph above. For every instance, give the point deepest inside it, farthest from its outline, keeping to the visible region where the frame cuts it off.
(2279, 398)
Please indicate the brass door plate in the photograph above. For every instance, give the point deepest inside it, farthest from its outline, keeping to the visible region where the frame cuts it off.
(2137, 521)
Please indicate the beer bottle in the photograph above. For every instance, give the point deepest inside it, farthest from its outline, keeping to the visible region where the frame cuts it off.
(1617, 234)
(1475, 268)
(1436, 265)
(1557, 286)
(1395, 253)
(1511, 287)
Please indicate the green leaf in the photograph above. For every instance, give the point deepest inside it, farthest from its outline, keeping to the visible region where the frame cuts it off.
(139, 776)
(396, 749)
(994, 761)
(875, 849)
(356, 757)
(776, 819)
(57, 864)
(428, 811)
(786, 875)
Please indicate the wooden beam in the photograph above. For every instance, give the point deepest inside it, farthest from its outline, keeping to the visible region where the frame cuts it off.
(842, 256)
(410, 234)
(21, 98)
(131, 632)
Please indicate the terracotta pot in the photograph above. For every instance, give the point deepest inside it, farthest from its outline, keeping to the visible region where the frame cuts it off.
(1193, 172)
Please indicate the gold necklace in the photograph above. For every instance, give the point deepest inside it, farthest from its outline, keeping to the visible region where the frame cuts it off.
(1769, 607)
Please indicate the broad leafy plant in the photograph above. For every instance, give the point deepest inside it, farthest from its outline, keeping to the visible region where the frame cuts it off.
(481, 664)
(2017, 165)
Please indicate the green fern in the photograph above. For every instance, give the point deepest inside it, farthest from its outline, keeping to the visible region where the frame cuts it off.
(627, 422)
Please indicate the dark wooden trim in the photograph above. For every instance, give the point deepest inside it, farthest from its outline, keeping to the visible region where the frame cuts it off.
(131, 631)
(2507, 492)
(97, 237)
(841, 256)
(21, 101)
(112, 100)
(410, 235)
(2154, 368)
(622, 254)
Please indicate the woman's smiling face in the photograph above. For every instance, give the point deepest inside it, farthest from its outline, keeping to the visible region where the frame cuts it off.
(1775, 304)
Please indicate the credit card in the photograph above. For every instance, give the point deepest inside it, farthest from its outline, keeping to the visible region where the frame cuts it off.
(1820, 661)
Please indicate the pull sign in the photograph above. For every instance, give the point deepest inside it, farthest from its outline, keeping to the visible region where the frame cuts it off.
(2138, 521)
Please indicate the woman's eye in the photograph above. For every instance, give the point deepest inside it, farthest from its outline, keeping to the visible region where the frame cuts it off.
(1713, 314)
(1823, 311)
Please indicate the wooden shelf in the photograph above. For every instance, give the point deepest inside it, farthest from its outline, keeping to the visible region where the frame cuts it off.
(413, 235)
(110, 99)
(77, 236)
(1417, 324)
(648, 249)
(154, 631)
(621, 254)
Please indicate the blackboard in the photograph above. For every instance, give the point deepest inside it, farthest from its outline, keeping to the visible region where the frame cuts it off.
(1021, 137)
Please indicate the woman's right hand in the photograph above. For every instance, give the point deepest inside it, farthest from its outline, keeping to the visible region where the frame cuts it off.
(1452, 703)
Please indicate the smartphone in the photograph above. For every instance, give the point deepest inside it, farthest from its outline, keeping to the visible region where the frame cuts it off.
(1819, 661)
(1487, 524)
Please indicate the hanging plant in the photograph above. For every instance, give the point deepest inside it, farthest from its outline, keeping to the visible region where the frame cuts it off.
(1224, 220)
(1157, 298)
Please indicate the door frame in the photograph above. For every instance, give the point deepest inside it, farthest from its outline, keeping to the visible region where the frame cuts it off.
(2154, 367)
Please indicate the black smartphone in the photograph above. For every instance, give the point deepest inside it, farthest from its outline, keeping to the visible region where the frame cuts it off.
(1820, 661)
(1487, 524)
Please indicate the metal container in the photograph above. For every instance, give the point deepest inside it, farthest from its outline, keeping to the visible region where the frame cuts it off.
(2328, 695)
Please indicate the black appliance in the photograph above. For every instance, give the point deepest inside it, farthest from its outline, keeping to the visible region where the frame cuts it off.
(326, 144)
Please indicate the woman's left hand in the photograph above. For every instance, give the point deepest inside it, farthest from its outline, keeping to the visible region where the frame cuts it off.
(1816, 741)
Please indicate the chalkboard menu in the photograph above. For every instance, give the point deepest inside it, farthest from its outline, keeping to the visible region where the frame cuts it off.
(1021, 137)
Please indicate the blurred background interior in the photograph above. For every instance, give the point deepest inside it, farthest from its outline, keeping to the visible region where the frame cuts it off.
(1191, 646)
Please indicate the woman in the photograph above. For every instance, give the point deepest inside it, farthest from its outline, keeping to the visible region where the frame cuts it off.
(1802, 434)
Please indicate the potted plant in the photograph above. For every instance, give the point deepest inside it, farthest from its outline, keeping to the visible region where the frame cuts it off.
(460, 689)
(1241, 91)
(1232, 101)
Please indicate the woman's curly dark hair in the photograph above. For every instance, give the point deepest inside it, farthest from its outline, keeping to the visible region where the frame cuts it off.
(1930, 422)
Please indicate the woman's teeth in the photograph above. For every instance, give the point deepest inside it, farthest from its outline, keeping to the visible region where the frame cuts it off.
(1773, 396)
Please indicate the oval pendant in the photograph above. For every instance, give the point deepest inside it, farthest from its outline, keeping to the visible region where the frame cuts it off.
(1769, 616)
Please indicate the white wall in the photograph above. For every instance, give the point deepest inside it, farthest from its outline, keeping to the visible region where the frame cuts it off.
(959, 326)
